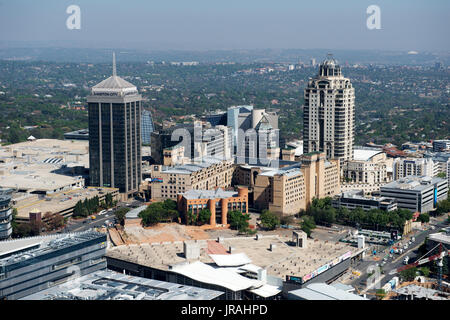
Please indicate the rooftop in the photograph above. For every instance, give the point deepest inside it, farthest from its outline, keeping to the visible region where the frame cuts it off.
(114, 85)
(443, 237)
(14, 251)
(283, 260)
(56, 202)
(43, 164)
(209, 194)
(191, 167)
(421, 292)
(109, 285)
(365, 154)
(322, 291)
(414, 183)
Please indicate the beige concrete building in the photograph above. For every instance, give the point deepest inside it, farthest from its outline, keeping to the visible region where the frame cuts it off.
(209, 174)
(321, 176)
(368, 171)
(282, 191)
(288, 190)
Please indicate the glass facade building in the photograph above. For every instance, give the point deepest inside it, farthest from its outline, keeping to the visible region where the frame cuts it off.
(146, 126)
(30, 265)
(5, 214)
(115, 158)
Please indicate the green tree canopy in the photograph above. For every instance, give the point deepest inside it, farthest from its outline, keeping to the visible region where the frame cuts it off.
(238, 220)
(269, 220)
(204, 216)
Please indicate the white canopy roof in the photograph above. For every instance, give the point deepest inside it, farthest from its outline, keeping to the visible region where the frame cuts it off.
(223, 277)
(230, 260)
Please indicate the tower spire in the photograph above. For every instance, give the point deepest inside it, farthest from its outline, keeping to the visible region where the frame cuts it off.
(114, 64)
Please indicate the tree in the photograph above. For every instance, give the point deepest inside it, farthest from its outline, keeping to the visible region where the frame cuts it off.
(442, 175)
(159, 211)
(109, 200)
(191, 218)
(380, 293)
(308, 224)
(443, 206)
(269, 220)
(425, 271)
(238, 220)
(408, 274)
(150, 216)
(120, 215)
(204, 216)
(54, 221)
(286, 220)
(424, 218)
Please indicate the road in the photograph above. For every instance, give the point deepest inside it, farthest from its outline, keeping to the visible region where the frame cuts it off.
(392, 263)
(78, 225)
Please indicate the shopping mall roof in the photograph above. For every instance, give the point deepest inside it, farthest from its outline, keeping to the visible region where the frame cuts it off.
(109, 285)
(268, 252)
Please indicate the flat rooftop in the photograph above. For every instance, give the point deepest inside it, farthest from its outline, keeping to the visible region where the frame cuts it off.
(14, 251)
(322, 291)
(191, 167)
(209, 194)
(421, 292)
(443, 237)
(414, 183)
(43, 164)
(283, 260)
(60, 201)
(109, 285)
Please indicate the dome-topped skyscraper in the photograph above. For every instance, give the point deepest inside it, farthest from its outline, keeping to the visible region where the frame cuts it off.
(115, 134)
(329, 111)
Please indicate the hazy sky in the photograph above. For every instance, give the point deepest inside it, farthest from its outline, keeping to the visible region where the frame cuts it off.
(231, 24)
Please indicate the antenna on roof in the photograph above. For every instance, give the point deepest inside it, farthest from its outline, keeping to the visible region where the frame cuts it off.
(114, 64)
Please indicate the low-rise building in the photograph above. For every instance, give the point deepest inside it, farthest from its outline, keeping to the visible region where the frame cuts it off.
(441, 145)
(218, 202)
(416, 193)
(355, 199)
(30, 265)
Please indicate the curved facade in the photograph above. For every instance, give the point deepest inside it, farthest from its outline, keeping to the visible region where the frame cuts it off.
(5, 215)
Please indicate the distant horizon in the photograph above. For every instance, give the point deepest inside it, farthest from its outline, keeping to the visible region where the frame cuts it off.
(204, 25)
(141, 47)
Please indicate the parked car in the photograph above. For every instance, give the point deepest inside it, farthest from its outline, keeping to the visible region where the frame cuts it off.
(405, 260)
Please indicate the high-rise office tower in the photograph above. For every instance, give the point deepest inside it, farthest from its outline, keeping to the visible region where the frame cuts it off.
(146, 126)
(329, 111)
(115, 134)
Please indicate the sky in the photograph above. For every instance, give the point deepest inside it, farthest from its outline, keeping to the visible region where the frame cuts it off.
(229, 24)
